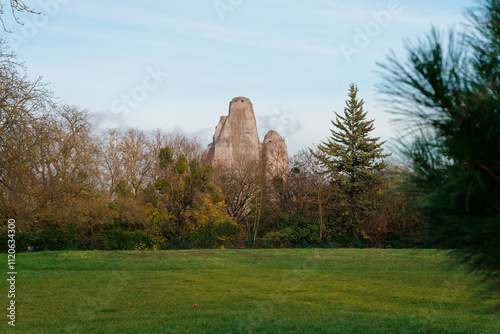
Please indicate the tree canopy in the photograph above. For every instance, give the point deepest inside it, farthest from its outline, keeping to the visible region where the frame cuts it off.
(350, 150)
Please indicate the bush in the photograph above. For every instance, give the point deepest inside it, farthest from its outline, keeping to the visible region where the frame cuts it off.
(213, 235)
(118, 239)
(23, 240)
(295, 228)
(46, 240)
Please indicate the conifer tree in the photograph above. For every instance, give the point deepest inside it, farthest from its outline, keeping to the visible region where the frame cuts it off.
(450, 91)
(351, 158)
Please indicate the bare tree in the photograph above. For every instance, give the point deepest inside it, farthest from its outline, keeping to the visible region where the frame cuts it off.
(63, 157)
(22, 103)
(315, 175)
(137, 159)
(15, 7)
(239, 184)
(109, 170)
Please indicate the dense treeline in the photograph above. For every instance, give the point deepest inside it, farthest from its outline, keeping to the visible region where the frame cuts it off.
(62, 181)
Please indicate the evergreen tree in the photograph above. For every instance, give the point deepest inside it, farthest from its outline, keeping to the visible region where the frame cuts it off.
(351, 157)
(450, 90)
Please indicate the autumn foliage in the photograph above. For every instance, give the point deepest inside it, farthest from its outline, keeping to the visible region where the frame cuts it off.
(69, 185)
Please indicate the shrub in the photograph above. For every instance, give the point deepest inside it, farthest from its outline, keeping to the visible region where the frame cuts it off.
(115, 239)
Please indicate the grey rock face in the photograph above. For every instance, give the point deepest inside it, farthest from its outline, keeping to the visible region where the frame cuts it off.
(236, 139)
(274, 154)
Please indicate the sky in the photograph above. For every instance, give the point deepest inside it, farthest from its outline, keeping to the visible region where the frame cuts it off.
(176, 64)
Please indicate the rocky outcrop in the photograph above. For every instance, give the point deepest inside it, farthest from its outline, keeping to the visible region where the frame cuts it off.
(236, 140)
(236, 135)
(274, 154)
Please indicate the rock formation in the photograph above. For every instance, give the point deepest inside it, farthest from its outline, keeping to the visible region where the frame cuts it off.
(274, 154)
(236, 140)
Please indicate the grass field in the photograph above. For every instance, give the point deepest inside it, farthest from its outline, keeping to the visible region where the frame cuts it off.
(244, 291)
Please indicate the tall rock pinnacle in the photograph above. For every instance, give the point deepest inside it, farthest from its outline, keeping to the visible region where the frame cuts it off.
(236, 140)
(236, 136)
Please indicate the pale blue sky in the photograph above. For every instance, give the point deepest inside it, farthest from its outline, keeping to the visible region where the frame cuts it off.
(294, 59)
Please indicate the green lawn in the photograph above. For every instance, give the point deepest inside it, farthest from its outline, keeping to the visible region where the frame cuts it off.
(244, 291)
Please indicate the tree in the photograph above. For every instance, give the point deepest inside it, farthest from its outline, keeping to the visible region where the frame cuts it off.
(179, 144)
(47, 155)
(450, 91)
(137, 159)
(61, 167)
(109, 169)
(239, 184)
(181, 188)
(297, 199)
(351, 157)
(312, 182)
(394, 220)
(16, 6)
